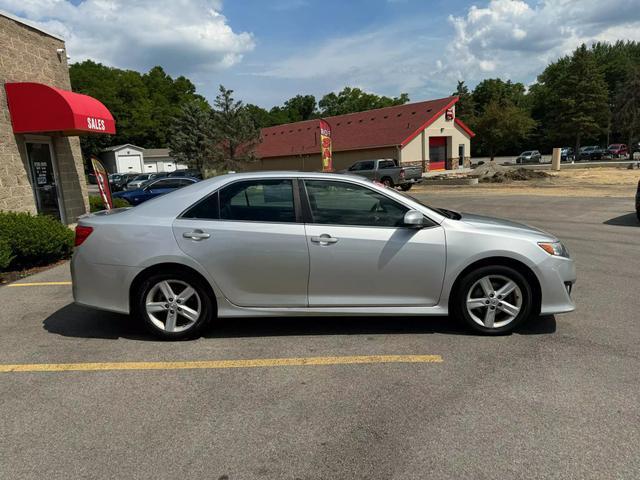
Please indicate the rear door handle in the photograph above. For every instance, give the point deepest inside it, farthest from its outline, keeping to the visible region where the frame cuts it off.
(324, 239)
(196, 235)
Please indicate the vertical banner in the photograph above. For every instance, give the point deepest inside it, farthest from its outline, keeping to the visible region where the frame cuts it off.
(103, 182)
(325, 146)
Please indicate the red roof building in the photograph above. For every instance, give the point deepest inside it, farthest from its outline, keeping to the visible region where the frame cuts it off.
(422, 133)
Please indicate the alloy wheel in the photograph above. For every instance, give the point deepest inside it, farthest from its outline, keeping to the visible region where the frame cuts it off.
(173, 306)
(494, 301)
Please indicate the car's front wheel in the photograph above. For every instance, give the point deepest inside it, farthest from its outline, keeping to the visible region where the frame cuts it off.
(493, 299)
(174, 306)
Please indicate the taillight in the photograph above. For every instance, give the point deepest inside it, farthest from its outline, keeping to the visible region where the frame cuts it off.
(82, 233)
(402, 173)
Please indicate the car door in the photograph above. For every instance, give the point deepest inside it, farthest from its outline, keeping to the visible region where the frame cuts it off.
(360, 254)
(250, 238)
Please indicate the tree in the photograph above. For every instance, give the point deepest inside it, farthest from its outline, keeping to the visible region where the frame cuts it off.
(466, 106)
(351, 100)
(501, 125)
(192, 137)
(574, 97)
(496, 89)
(234, 131)
(627, 112)
(142, 105)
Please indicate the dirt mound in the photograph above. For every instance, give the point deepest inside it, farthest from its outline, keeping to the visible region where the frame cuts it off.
(493, 173)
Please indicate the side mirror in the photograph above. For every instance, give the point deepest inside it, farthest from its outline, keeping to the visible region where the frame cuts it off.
(414, 219)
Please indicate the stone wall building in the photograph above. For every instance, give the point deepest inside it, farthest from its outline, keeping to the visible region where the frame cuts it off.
(41, 168)
(427, 134)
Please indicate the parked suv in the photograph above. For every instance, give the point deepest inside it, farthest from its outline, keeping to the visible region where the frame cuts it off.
(618, 150)
(117, 181)
(143, 178)
(567, 154)
(191, 172)
(530, 156)
(387, 172)
(593, 152)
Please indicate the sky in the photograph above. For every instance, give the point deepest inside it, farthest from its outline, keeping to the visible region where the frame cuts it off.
(270, 50)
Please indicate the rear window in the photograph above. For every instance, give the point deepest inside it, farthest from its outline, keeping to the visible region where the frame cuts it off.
(386, 164)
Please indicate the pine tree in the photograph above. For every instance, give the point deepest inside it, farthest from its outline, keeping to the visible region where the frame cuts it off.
(583, 98)
(191, 140)
(234, 129)
(627, 113)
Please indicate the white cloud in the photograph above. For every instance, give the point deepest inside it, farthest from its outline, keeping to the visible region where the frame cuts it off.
(184, 36)
(511, 39)
(519, 39)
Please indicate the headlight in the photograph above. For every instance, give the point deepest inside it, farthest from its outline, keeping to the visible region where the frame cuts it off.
(556, 249)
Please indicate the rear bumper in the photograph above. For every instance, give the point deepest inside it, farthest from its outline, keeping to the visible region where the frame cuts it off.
(105, 287)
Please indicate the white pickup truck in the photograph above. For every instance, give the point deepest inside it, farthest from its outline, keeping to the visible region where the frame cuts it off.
(388, 172)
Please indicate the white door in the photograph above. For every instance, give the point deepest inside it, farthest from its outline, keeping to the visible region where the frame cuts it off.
(362, 255)
(129, 163)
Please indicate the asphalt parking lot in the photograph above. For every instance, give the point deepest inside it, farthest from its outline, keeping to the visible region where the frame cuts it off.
(558, 399)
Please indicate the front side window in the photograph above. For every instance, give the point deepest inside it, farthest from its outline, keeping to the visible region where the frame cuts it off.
(342, 203)
(258, 201)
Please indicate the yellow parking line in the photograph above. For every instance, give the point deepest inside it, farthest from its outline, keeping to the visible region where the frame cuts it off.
(37, 284)
(216, 364)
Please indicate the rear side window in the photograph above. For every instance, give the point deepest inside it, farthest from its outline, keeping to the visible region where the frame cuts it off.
(205, 209)
(258, 201)
(386, 164)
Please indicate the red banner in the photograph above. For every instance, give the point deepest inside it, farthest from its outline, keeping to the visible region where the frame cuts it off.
(325, 146)
(102, 177)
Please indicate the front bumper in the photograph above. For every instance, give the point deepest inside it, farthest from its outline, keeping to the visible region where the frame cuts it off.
(557, 277)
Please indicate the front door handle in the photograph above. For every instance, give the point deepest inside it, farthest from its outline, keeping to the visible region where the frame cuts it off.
(324, 239)
(196, 235)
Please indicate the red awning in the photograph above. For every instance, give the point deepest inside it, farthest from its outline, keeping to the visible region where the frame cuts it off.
(37, 108)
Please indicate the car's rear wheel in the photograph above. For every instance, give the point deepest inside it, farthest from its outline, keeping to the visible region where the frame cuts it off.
(493, 299)
(174, 306)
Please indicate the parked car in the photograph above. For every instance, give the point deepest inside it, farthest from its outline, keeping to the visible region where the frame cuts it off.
(186, 173)
(92, 179)
(302, 243)
(141, 179)
(567, 154)
(594, 152)
(387, 172)
(530, 156)
(638, 201)
(117, 181)
(154, 188)
(618, 150)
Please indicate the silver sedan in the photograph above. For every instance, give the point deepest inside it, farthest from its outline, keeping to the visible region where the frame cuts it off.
(296, 244)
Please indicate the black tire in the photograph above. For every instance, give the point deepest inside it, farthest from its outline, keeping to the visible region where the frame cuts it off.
(458, 303)
(206, 304)
(387, 182)
(406, 187)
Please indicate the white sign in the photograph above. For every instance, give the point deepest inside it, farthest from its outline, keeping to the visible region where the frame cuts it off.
(95, 124)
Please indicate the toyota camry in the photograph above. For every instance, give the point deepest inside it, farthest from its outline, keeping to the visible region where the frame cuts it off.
(298, 244)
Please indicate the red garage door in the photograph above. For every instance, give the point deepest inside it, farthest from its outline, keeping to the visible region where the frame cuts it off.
(437, 153)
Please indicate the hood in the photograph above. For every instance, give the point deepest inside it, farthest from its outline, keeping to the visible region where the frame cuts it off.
(504, 225)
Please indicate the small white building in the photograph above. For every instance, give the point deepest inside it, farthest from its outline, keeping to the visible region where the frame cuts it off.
(129, 158)
(160, 160)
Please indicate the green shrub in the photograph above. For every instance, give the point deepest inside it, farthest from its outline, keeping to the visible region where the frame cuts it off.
(34, 240)
(96, 204)
(6, 255)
